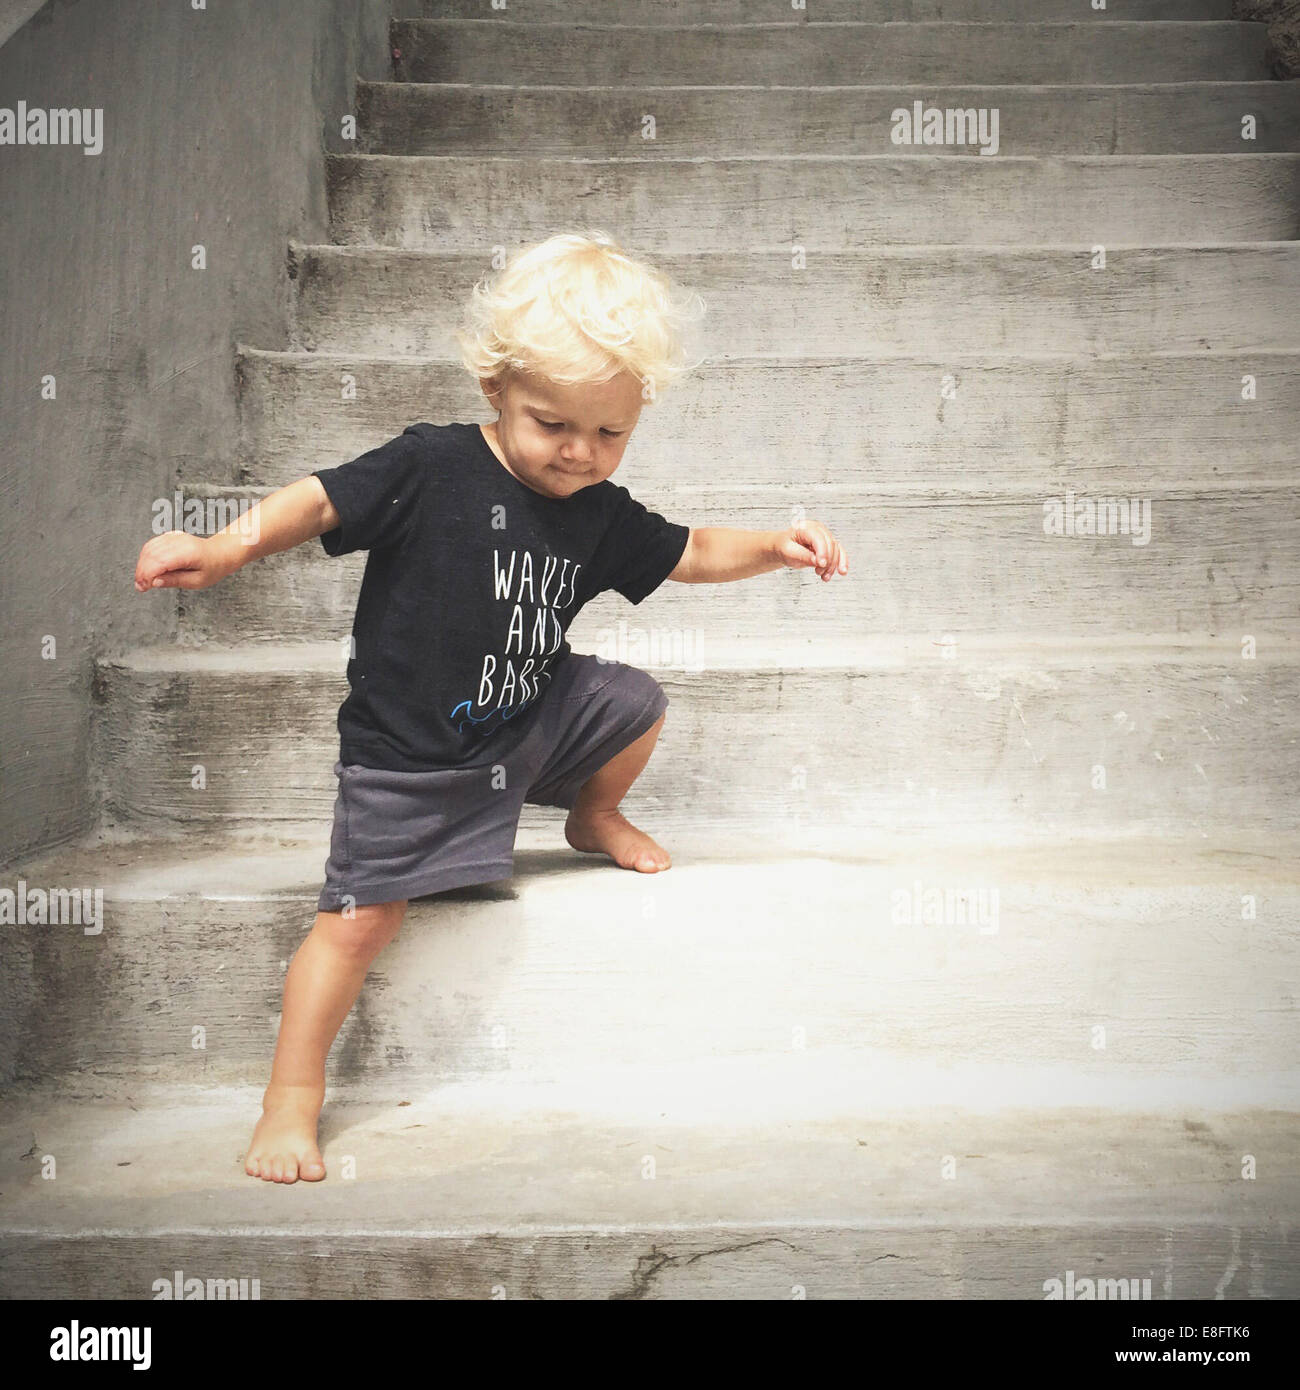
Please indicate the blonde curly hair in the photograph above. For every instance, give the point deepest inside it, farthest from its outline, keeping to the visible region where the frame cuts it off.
(577, 309)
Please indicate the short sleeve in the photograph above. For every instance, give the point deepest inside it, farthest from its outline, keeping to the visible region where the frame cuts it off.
(639, 549)
(377, 494)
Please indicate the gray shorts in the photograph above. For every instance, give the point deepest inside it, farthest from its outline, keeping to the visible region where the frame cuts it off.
(399, 835)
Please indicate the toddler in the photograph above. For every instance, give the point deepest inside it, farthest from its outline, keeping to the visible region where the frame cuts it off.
(465, 699)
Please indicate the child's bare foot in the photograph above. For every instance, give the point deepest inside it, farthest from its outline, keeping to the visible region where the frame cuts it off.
(610, 832)
(283, 1147)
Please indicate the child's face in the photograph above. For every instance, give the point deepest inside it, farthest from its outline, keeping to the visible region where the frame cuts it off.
(560, 439)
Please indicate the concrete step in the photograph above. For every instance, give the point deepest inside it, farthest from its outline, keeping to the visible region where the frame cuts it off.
(1107, 962)
(1166, 118)
(861, 202)
(680, 13)
(914, 733)
(822, 54)
(1005, 424)
(923, 300)
(1222, 564)
(497, 1192)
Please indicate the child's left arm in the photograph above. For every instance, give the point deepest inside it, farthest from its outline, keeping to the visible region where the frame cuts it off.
(716, 554)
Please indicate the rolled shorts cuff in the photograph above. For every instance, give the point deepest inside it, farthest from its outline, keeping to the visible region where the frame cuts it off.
(332, 898)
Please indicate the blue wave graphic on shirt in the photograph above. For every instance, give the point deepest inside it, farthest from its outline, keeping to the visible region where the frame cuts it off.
(462, 713)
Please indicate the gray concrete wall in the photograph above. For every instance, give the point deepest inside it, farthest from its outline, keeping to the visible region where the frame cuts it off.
(214, 123)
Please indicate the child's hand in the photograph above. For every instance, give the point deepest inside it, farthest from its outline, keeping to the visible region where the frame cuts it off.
(177, 560)
(812, 544)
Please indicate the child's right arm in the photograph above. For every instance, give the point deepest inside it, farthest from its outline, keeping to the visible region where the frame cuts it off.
(178, 560)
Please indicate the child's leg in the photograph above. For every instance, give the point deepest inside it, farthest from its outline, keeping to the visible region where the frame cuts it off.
(323, 981)
(595, 822)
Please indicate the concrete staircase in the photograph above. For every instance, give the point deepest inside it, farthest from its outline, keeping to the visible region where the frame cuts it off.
(978, 959)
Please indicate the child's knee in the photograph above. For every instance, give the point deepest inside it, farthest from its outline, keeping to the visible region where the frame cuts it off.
(363, 931)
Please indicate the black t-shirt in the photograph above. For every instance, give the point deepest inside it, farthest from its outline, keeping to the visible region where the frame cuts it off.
(470, 586)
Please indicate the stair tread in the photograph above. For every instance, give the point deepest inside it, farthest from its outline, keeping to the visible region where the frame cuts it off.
(732, 1143)
(895, 250)
(857, 495)
(287, 861)
(813, 26)
(767, 654)
(910, 161)
(327, 357)
(1262, 83)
